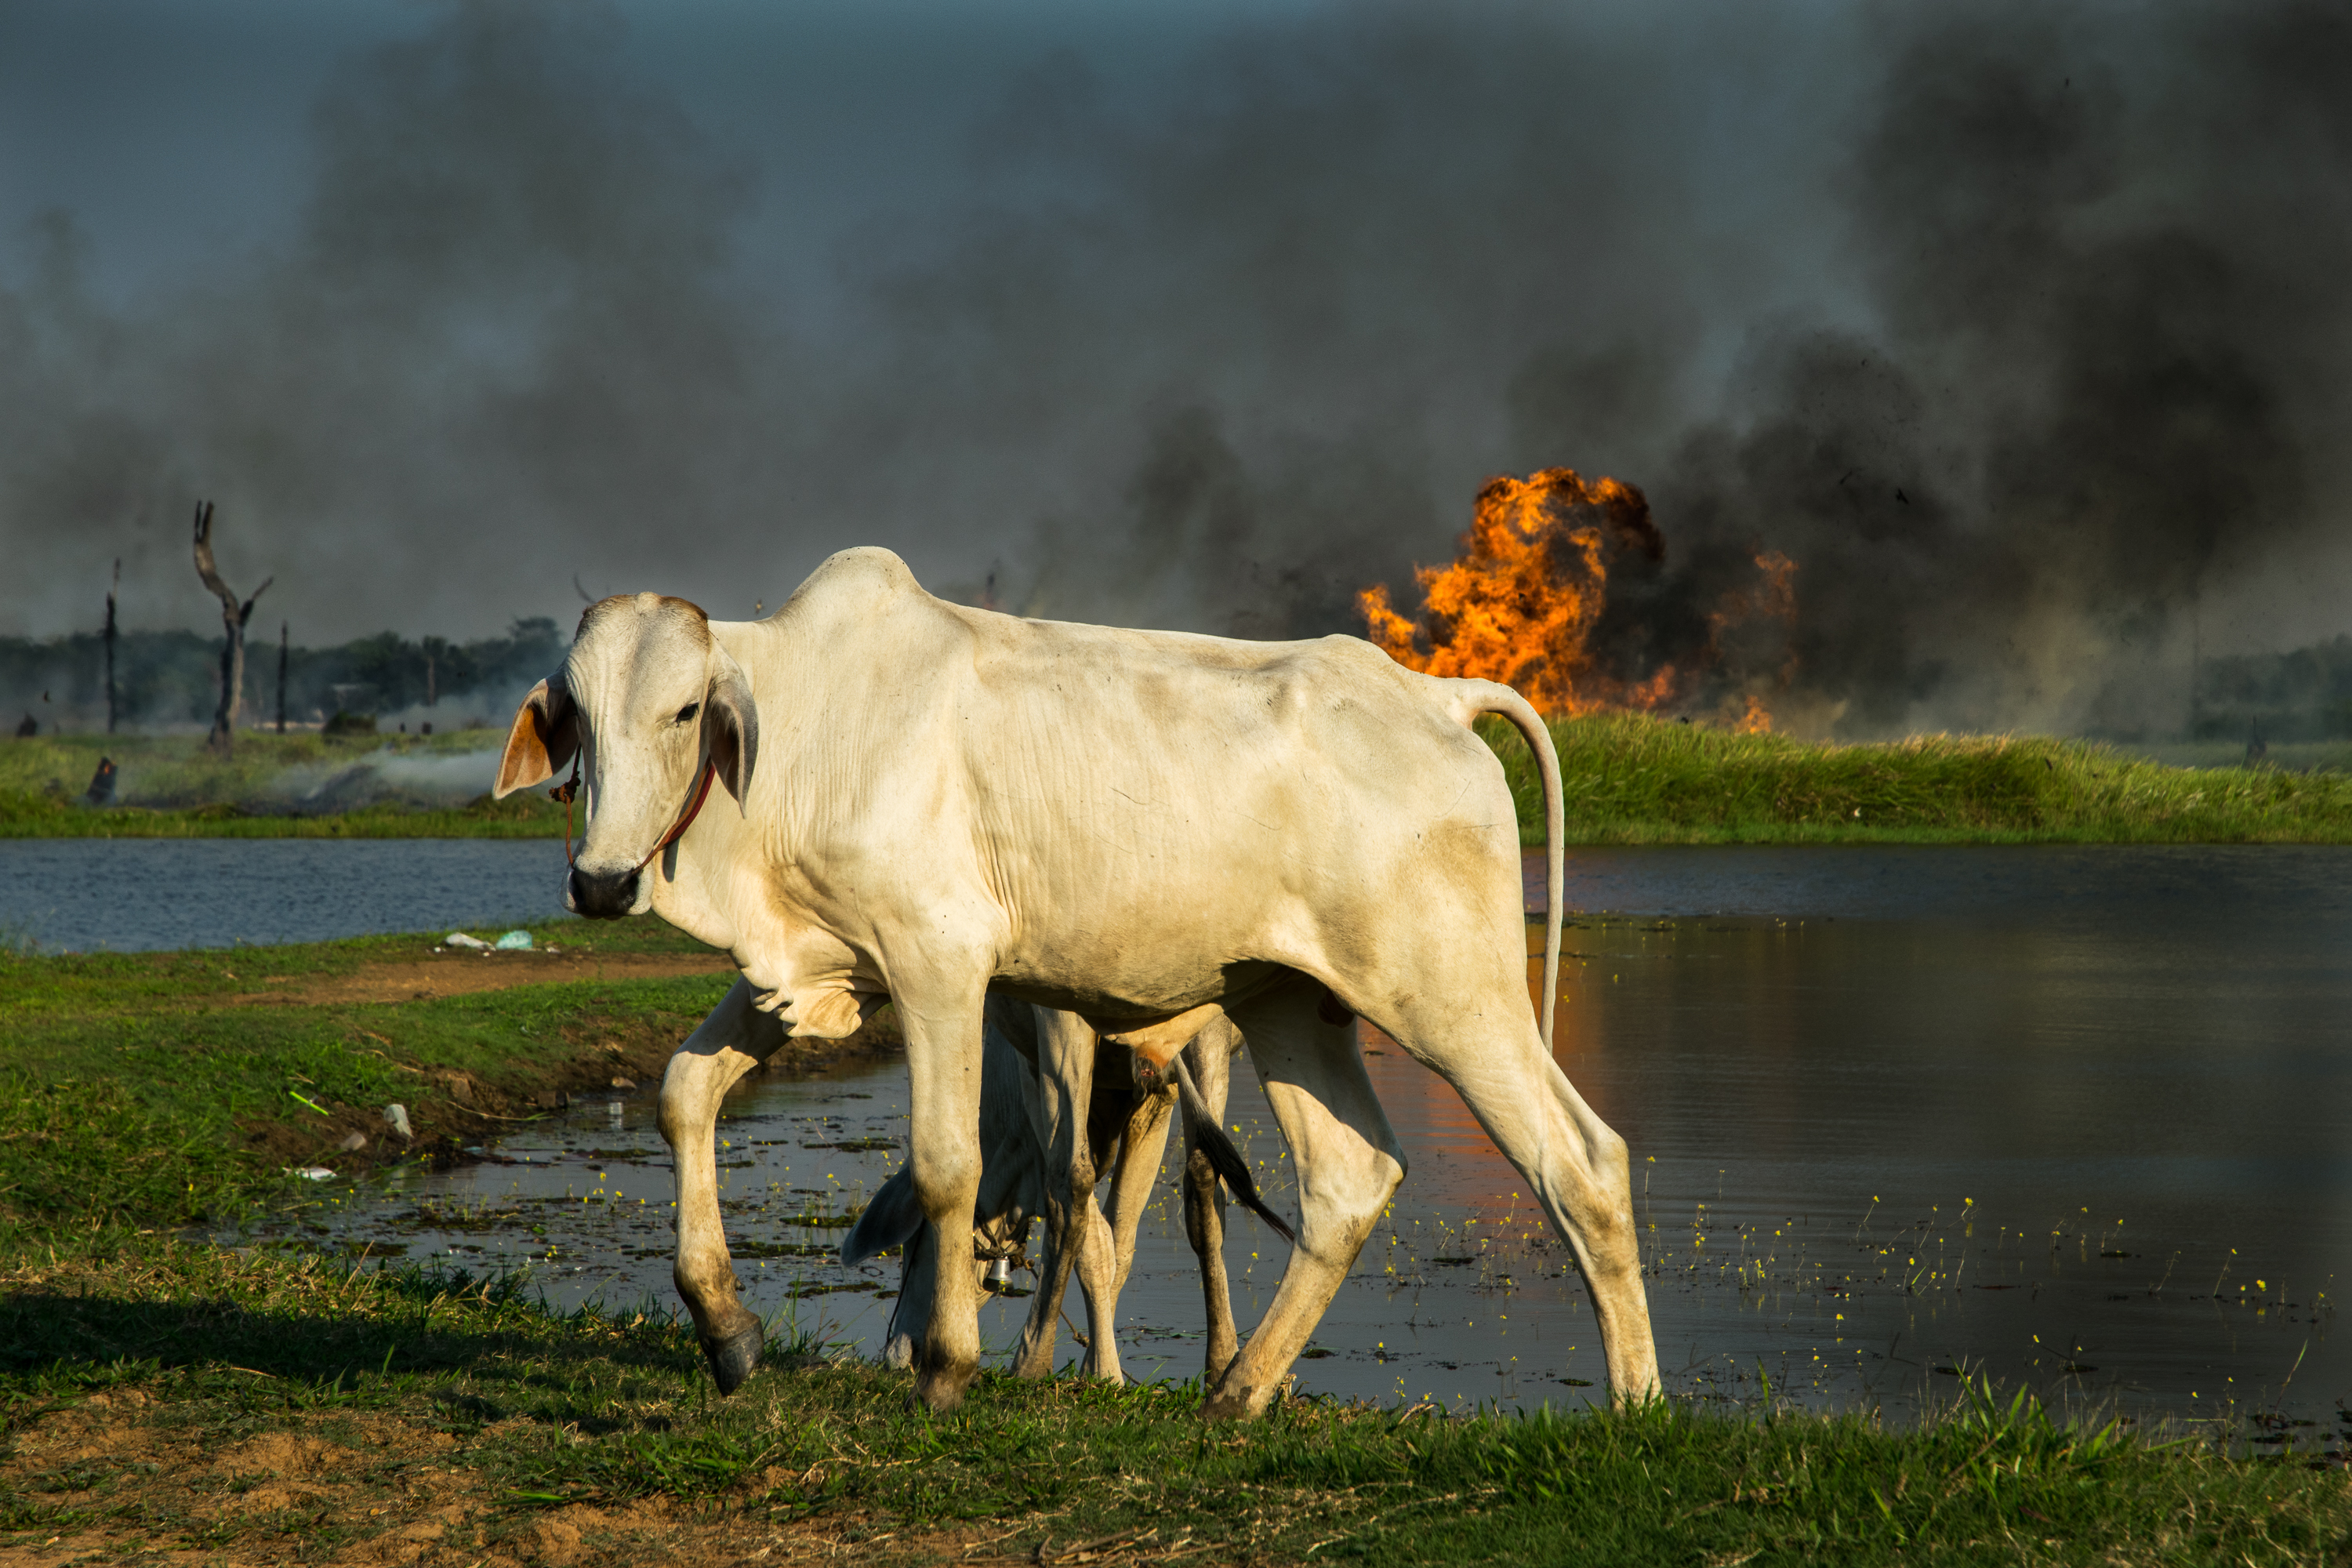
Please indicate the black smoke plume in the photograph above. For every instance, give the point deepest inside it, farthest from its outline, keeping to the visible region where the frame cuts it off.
(2024, 334)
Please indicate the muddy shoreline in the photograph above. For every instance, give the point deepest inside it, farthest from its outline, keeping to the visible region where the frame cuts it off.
(454, 1113)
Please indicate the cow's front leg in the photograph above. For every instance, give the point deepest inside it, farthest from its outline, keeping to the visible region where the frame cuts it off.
(943, 1074)
(734, 1039)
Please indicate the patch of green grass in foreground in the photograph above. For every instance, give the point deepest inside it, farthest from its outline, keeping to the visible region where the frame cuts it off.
(139, 1092)
(1632, 779)
(542, 1411)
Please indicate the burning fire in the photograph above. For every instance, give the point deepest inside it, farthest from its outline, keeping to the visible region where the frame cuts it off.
(1520, 603)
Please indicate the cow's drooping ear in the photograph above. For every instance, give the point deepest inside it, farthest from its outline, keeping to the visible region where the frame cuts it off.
(730, 728)
(546, 733)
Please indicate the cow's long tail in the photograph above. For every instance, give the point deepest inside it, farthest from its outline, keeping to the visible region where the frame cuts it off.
(1482, 696)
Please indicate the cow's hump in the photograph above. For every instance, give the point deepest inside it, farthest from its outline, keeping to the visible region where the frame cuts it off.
(867, 568)
(854, 588)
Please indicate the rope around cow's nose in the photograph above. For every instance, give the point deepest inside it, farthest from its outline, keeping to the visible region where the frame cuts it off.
(569, 791)
(686, 818)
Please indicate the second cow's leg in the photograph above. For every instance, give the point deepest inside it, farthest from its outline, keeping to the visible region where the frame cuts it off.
(735, 1038)
(1065, 1062)
(1142, 1143)
(1210, 1057)
(1348, 1166)
(1097, 1269)
(1103, 1266)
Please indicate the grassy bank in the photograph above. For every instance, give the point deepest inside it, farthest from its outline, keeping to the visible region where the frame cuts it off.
(153, 1090)
(303, 785)
(1629, 780)
(273, 1402)
(1635, 780)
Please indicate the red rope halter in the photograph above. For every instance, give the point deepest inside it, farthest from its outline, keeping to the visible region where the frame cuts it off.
(569, 791)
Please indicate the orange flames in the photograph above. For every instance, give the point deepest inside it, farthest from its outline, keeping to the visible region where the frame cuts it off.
(1520, 603)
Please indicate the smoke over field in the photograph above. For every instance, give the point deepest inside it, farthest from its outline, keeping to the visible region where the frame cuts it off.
(2021, 336)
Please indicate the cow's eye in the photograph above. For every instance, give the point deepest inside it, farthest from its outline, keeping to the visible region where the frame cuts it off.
(687, 713)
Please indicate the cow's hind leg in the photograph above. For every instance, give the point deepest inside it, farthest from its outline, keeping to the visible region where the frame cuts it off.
(1210, 1055)
(1493, 1057)
(1348, 1166)
(735, 1038)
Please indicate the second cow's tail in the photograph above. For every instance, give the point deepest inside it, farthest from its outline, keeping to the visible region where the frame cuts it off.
(1482, 696)
(1223, 1158)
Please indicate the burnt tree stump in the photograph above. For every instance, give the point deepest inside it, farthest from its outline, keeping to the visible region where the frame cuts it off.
(233, 617)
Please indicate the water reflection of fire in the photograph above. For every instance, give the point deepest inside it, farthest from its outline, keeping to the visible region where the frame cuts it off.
(1523, 600)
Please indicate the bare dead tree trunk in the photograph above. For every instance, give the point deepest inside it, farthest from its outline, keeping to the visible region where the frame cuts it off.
(281, 677)
(111, 592)
(233, 617)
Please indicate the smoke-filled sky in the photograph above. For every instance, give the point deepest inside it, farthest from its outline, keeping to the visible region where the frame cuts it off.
(2025, 333)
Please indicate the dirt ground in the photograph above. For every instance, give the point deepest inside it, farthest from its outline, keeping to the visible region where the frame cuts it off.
(376, 1489)
(444, 972)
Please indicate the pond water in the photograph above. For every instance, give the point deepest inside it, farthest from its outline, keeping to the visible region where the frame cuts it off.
(86, 895)
(2075, 1117)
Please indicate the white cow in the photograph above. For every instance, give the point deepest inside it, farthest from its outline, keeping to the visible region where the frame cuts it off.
(1134, 826)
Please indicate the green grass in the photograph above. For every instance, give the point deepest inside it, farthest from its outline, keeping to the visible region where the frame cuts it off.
(1628, 780)
(1637, 780)
(170, 786)
(2294, 756)
(136, 1363)
(437, 1379)
(136, 1094)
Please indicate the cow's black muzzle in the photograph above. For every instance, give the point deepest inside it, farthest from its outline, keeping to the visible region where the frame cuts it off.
(604, 895)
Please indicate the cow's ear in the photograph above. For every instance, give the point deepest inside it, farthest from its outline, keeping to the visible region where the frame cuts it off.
(545, 734)
(731, 729)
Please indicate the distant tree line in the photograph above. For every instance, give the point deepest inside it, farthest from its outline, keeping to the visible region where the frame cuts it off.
(2306, 695)
(174, 677)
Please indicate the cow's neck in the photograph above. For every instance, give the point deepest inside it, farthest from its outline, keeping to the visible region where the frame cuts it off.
(737, 881)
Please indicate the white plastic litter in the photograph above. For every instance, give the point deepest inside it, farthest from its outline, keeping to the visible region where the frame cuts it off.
(311, 1172)
(459, 939)
(353, 1144)
(514, 942)
(398, 1116)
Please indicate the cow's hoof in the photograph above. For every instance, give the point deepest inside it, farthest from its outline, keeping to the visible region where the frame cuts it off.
(942, 1388)
(733, 1358)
